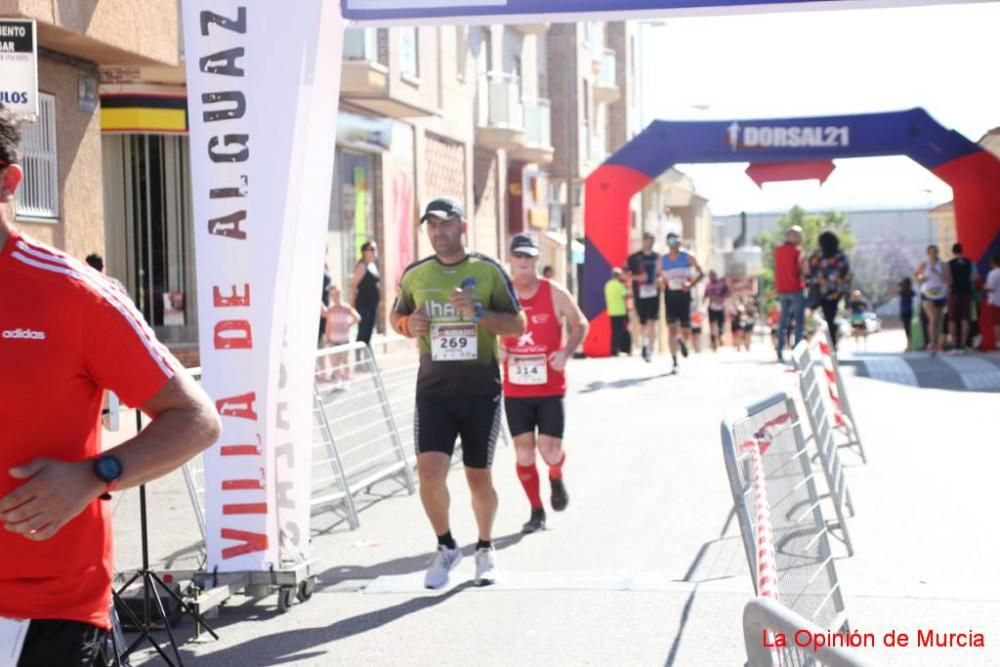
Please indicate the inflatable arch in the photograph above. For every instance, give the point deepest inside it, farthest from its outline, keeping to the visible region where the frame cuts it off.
(972, 173)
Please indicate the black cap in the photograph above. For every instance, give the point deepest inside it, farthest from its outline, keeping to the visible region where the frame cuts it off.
(443, 208)
(524, 243)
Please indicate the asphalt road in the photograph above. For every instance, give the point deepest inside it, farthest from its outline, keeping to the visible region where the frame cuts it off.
(645, 567)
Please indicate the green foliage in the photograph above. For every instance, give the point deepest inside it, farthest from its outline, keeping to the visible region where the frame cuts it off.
(812, 226)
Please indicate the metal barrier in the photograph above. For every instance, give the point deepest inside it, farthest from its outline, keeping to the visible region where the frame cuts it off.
(779, 511)
(360, 439)
(763, 617)
(813, 385)
(844, 420)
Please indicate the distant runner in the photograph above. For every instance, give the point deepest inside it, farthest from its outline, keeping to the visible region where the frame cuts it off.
(646, 291)
(676, 274)
(534, 381)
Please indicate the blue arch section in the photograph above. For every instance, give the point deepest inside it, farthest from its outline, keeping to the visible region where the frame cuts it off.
(912, 132)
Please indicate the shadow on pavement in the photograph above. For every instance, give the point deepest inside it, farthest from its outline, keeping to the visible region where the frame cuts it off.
(621, 384)
(287, 647)
(295, 645)
(398, 566)
(713, 561)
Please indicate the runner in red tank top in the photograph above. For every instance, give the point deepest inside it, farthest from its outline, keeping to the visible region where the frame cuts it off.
(534, 380)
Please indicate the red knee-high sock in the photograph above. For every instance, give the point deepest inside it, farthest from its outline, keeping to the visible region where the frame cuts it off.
(555, 472)
(529, 480)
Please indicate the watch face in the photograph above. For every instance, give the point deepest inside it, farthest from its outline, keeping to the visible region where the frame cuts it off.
(108, 468)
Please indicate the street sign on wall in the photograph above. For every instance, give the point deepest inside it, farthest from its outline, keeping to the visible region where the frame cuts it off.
(19, 67)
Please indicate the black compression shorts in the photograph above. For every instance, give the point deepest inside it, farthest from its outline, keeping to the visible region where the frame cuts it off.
(678, 307)
(647, 309)
(439, 420)
(546, 414)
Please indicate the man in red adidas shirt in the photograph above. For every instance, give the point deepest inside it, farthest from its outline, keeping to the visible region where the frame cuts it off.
(67, 335)
(534, 383)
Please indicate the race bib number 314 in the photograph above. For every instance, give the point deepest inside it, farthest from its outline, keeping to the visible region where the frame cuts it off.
(454, 342)
(528, 369)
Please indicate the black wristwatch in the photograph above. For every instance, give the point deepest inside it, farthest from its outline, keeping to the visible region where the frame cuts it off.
(109, 470)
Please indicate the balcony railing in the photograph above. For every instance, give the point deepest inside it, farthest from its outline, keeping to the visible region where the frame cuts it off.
(606, 86)
(361, 44)
(499, 101)
(538, 122)
(607, 77)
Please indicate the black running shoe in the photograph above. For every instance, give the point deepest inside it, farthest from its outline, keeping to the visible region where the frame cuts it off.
(535, 523)
(560, 499)
(684, 347)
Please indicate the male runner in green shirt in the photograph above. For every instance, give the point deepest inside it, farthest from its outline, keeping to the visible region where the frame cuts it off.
(456, 303)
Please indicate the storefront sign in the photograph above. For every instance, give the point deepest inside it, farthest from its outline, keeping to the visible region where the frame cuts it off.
(19, 67)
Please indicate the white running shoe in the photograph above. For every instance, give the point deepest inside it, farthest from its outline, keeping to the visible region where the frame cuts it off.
(486, 566)
(444, 562)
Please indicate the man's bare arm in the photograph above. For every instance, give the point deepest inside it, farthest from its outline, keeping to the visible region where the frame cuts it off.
(184, 422)
(575, 319)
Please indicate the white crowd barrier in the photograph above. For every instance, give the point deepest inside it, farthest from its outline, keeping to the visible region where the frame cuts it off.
(843, 417)
(779, 511)
(814, 386)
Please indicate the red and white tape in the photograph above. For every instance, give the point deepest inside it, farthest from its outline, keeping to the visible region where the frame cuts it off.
(826, 355)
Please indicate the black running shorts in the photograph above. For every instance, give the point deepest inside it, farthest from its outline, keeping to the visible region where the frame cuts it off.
(546, 414)
(647, 309)
(717, 317)
(56, 642)
(439, 420)
(678, 307)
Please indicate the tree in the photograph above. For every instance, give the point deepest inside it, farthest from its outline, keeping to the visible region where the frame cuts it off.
(812, 226)
(878, 267)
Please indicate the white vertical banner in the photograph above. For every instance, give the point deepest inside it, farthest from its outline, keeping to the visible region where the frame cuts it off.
(251, 68)
(303, 250)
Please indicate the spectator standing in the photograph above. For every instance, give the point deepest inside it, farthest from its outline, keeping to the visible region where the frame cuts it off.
(932, 275)
(327, 282)
(365, 291)
(906, 295)
(858, 306)
(992, 288)
(73, 336)
(789, 283)
(960, 274)
(616, 301)
(832, 274)
(339, 319)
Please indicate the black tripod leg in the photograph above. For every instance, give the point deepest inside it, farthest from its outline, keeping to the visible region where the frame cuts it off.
(151, 580)
(195, 616)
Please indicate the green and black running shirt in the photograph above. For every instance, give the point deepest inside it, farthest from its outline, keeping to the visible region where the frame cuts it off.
(457, 356)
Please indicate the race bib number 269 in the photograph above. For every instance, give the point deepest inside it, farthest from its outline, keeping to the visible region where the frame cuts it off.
(454, 342)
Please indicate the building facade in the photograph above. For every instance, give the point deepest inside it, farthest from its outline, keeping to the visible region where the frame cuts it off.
(508, 120)
(62, 202)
